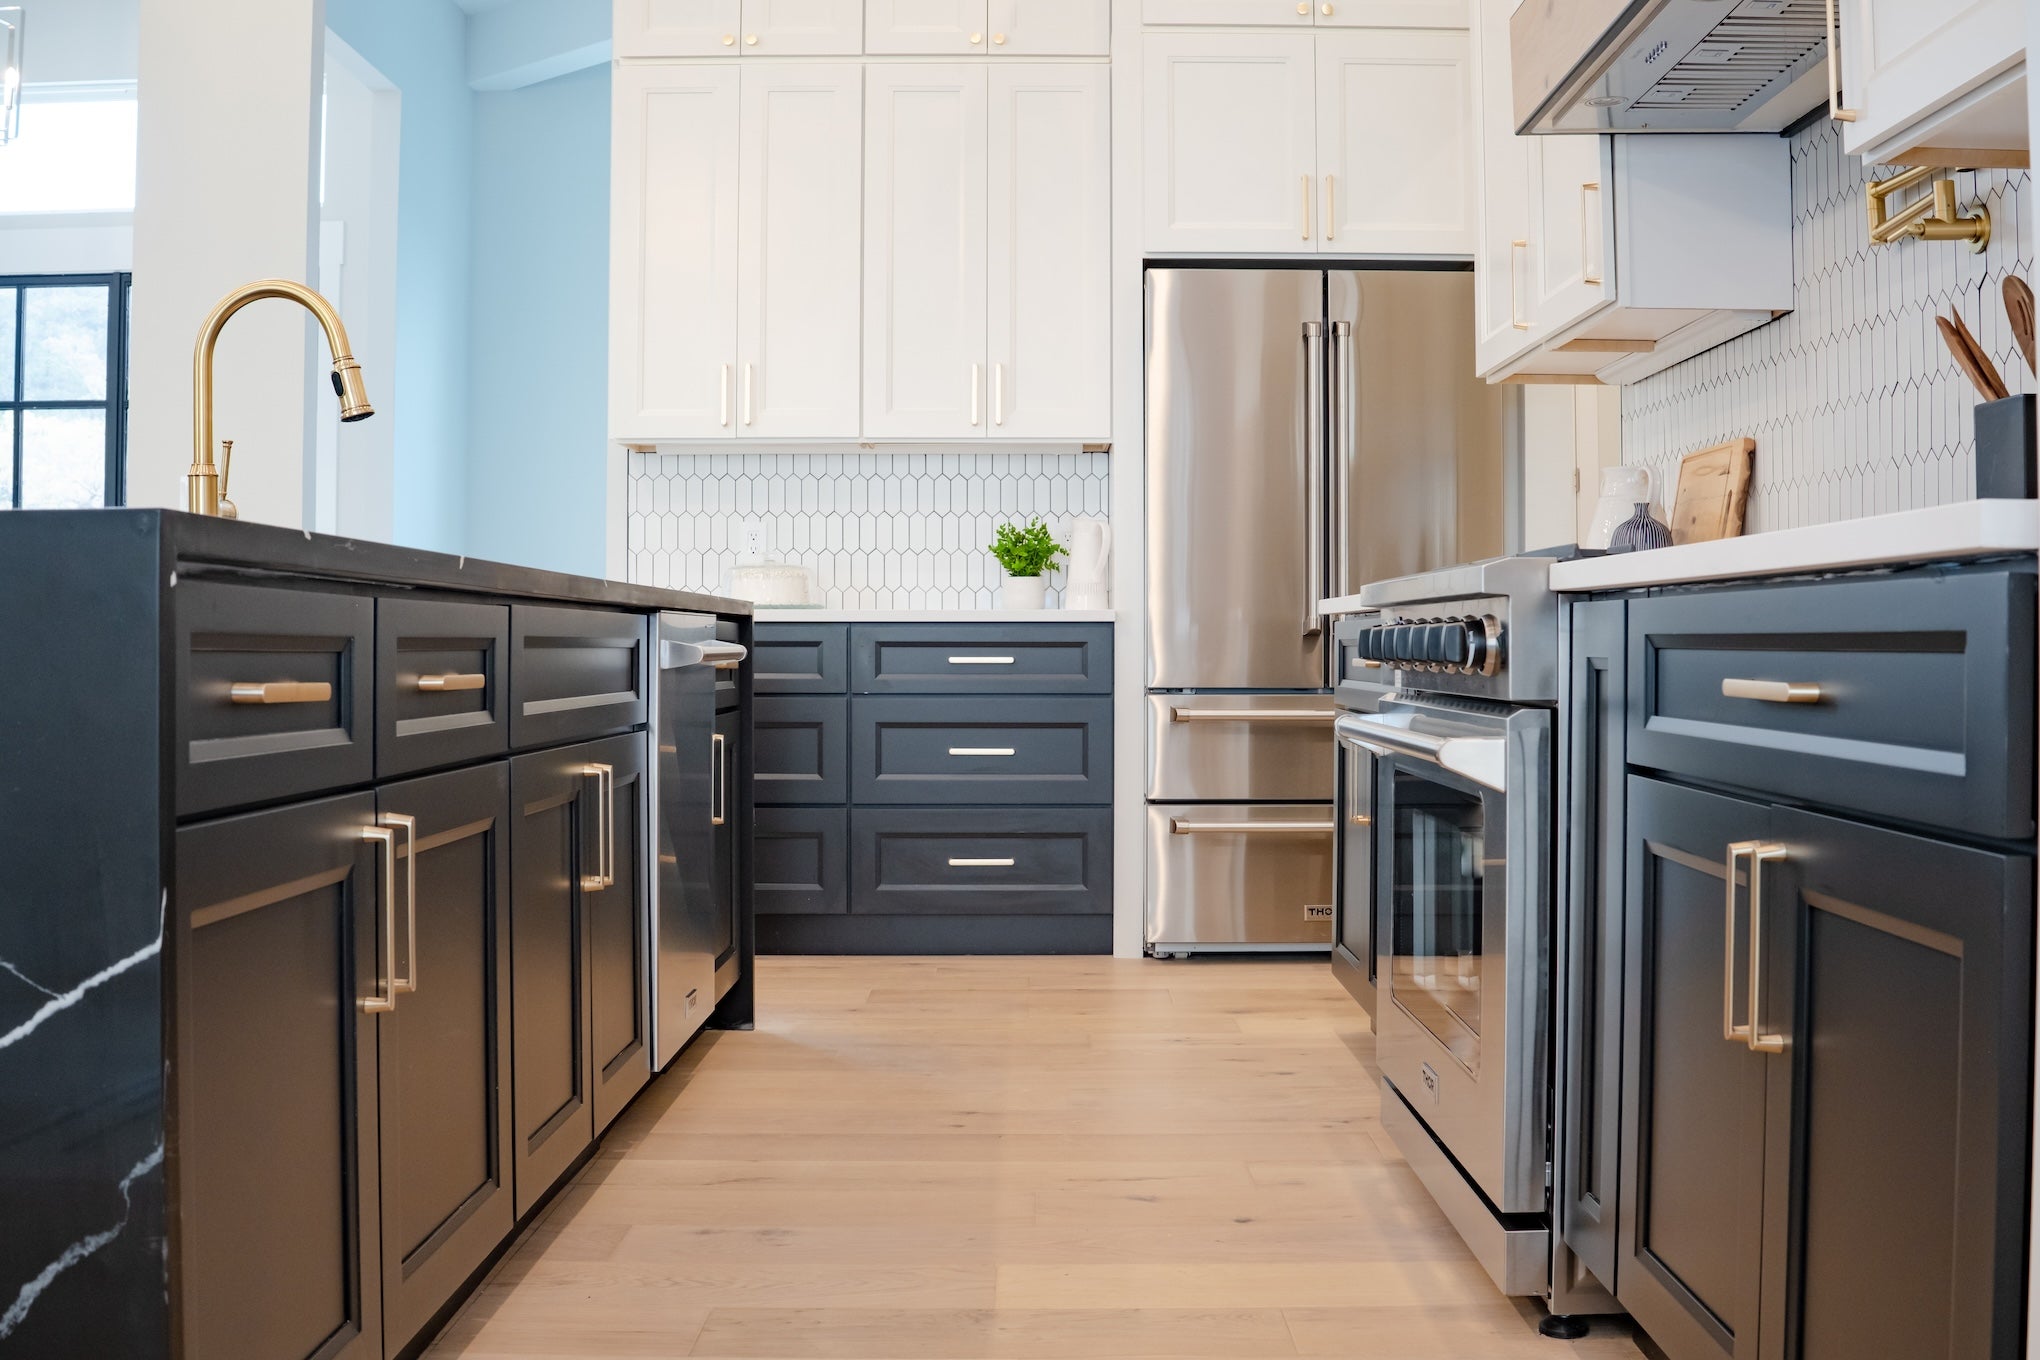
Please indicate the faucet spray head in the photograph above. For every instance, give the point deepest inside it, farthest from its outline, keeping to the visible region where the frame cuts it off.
(348, 386)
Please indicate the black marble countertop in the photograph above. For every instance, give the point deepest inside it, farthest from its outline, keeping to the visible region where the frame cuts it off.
(201, 541)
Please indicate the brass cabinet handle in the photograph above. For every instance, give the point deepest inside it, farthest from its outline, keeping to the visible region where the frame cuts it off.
(438, 684)
(1515, 284)
(750, 40)
(729, 40)
(976, 38)
(719, 806)
(981, 660)
(385, 998)
(981, 864)
(1362, 819)
(1262, 715)
(750, 379)
(407, 981)
(981, 751)
(977, 374)
(1331, 211)
(605, 826)
(1834, 44)
(999, 39)
(1771, 691)
(723, 391)
(1306, 207)
(1303, 7)
(1188, 826)
(1760, 1042)
(998, 394)
(1591, 186)
(281, 692)
(1730, 1030)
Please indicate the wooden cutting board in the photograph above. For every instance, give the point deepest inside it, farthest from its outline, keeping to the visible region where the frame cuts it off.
(1714, 490)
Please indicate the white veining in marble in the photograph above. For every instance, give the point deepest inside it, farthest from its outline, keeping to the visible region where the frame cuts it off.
(63, 1001)
(25, 1298)
(25, 978)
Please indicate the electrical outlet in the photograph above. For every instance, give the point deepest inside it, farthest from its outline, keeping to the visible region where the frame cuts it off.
(751, 538)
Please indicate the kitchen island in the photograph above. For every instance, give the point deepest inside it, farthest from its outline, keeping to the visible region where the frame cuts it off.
(328, 946)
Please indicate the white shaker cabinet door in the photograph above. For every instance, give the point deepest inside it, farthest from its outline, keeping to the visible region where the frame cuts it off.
(1395, 143)
(1049, 28)
(803, 28)
(678, 28)
(1929, 82)
(920, 27)
(924, 252)
(1230, 142)
(1049, 253)
(798, 252)
(1501, 295)
(1572, 261)
(673, 253)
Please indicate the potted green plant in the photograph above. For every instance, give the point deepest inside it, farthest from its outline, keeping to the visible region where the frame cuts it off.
(1028, 552)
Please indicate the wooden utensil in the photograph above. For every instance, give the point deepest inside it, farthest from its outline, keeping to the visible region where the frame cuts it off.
(2019, 309)
(1983, 359)
(1970, 360)
(1714, 491)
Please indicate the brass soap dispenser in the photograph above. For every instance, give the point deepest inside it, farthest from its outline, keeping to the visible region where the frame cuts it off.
(205, 485)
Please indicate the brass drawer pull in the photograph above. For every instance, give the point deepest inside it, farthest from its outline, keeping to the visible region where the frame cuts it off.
(980, 660)
(407, 981)
(981, 751)
(281, 692)
(385, 998)
(981, 864)
(1760, 855)
(1730, 1030)
(435, 684)
(1771, 691)
(605, 827)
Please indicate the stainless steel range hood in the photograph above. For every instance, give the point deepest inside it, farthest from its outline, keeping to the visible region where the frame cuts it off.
(1667, 65)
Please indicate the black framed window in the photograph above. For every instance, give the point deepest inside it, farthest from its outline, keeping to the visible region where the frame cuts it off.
(63, 390)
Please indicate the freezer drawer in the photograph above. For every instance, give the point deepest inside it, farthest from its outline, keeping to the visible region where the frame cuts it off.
(1224, 875)
(1268, 747)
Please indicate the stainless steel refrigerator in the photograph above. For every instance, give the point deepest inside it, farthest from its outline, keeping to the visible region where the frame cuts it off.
(1308, 431)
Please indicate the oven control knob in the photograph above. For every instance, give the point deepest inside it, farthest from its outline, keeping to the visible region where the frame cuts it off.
(1485, 655)
(1454, 645)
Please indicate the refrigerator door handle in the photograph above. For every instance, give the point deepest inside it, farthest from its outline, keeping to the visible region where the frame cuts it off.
(1314, 461)
(1345, 387)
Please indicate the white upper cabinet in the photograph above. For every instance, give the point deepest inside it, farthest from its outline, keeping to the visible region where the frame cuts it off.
(673, 253)
(1308, 13)
(1230, 143)
(1050, 28)
(1567, 272)
(724, 28)
(1394, 148)
(1501, 306)
(1936, 84)
(914, 27)
(924, 253)
(797, 255)
(1048, 250)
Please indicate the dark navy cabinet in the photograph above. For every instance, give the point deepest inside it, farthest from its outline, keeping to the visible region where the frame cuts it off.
(1797, 963)
(934, 787)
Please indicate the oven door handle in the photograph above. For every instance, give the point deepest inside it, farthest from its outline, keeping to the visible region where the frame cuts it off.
(1484, 760)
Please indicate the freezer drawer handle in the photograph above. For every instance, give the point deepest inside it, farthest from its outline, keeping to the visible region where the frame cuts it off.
(1185, 826)
(981, 751)
(980, 660)
(724, 656)
(1318, 716)
(981, 864)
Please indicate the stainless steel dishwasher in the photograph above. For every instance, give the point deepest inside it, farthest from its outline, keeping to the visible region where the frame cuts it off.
(690, 794)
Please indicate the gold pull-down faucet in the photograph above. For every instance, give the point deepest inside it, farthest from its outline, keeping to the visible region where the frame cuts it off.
(203, 490)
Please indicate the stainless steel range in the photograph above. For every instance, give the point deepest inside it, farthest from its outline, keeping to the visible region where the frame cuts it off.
(1447, 875)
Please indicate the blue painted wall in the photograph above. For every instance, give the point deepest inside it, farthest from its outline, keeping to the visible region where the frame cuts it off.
(420, 46)
(540, 322)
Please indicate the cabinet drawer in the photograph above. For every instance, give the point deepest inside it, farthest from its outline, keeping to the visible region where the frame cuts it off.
(440, 684)
(959, 861)
(803, 658)
(802, 857)
(574, 674)
(273, 693)
(1918, 706)
(981, 658)
(1023, 751)
(798, 745)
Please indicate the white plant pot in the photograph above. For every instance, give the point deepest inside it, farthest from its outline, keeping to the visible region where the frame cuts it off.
(1024, 592)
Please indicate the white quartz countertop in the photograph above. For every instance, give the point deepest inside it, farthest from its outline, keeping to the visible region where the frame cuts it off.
(1937, 533)
(934, 616)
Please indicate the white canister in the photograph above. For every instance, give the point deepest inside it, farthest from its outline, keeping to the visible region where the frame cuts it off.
(1088, 582)
(1622, 490)
(1024, 592)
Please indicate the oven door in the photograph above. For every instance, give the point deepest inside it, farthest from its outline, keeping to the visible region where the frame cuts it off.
(1462, 867)
(1353, 956)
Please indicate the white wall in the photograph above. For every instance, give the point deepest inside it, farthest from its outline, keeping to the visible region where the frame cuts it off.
(226, 193)
(81, 40)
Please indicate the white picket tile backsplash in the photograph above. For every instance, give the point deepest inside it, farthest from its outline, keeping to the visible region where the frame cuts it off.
(881, 530)
(1854, 403)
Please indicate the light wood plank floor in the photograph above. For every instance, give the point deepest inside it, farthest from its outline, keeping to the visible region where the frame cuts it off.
(958, 1158)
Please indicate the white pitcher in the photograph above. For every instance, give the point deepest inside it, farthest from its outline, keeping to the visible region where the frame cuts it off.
(1090, 565)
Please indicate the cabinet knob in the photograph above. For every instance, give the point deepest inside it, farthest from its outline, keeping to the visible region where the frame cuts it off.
(976, 38)
(1303, 8)
(999, 39)
(729, 39)
(1326, 9)
(750, 40)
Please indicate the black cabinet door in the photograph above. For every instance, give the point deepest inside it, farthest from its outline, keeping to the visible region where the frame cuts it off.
(277, 916)
(1690, 1209)
(613, 887)
(444, 1069)
(1590, 937)
(729, 730)
(1897, 976)
(552, 833)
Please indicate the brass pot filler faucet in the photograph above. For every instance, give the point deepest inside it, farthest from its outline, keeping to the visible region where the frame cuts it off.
(206, 484)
